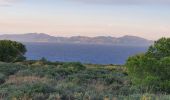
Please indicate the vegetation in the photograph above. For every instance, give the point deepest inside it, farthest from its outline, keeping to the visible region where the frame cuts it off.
(145, 77)
(31, 79)
(11, 51)
(37, 80)
(151, 70)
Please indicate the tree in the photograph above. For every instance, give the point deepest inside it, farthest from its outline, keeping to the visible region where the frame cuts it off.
(11, 51)
(160, 49)
(141, 68)
(151, 69)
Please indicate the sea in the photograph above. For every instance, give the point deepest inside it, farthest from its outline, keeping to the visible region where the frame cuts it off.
(84, 53)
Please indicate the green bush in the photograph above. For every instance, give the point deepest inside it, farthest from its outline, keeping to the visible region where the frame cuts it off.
(73, 66)
(151, 70)
(2, 78)
(140, 67)
(29, 90)
(7, 69)
(164, 69)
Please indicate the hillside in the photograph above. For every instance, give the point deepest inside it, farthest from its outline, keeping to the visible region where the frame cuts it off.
(41, 80)
(104, 40)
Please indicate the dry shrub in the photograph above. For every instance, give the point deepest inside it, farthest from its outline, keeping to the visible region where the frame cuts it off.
(98, 86)
(26, 79)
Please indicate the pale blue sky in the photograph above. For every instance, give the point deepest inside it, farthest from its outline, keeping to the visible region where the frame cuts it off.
(147, 18)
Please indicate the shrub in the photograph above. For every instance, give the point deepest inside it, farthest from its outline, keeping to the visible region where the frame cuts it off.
(29, 90)
(2, 78)
(164, 69)
(9, 68)
(73, 66)
(151, 70)
(140, 67)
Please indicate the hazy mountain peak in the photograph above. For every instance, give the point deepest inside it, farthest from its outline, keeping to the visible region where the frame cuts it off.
(104, 40)
(131, 37)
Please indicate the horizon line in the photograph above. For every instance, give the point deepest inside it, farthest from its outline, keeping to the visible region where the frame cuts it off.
(78, 35)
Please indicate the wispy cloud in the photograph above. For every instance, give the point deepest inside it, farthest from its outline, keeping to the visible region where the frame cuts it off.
(7, 2)
(124, 1)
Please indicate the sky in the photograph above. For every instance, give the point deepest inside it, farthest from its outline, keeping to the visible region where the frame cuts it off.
(145, 18)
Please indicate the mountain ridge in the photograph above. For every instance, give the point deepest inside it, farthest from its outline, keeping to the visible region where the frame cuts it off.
(104, 40)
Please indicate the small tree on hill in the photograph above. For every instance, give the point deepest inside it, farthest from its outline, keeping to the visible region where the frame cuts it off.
(11, 51)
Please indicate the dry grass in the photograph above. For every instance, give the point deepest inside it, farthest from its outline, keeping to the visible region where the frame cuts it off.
(26, 79)
(98, 86)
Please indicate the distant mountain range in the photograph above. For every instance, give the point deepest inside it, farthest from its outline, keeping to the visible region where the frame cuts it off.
(103, 40)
